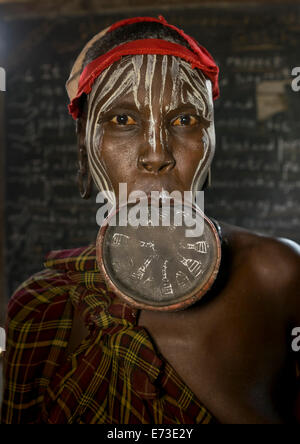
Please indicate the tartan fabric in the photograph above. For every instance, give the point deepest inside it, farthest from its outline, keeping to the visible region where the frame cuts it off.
(115, 376)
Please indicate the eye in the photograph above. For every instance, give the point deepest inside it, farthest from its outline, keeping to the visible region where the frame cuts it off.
(185, 120)
(123, 119)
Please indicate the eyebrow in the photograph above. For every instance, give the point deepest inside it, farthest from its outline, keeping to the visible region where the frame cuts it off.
(128, 104)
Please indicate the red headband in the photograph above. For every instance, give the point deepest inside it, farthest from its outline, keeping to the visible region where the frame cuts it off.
(199, 58)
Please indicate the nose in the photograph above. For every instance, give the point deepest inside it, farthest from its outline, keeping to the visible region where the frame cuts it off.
(159, 161)
(154, 164)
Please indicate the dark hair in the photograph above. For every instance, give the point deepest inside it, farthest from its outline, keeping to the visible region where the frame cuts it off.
(136, 31)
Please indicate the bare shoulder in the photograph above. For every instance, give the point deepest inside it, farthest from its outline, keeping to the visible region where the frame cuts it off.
(273, 264)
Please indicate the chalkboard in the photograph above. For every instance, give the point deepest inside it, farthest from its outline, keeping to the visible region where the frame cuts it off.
(255, 178)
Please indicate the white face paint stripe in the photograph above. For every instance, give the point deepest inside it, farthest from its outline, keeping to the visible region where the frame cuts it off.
(195, 75)
(122, 89)
(109, 93)
(210, 92)
(164, 69)
(100, 81)
(197, 88)
(175, 76)
(137, 63)
(201, 173)
(107, 73)
(94, 161)
(151, 65)
(97, 170)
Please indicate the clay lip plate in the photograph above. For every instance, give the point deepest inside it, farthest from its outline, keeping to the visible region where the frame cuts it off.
(189, 298)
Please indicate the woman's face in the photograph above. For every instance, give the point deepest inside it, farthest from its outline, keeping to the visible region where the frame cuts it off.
(150, 125)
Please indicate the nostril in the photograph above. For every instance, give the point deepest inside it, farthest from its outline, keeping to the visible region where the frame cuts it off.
(147, 166)
(156, 167)
(166, 166)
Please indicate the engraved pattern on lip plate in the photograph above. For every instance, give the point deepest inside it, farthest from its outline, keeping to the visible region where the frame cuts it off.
(156, 268)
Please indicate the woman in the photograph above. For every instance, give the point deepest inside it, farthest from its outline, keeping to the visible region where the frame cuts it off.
(142, 94)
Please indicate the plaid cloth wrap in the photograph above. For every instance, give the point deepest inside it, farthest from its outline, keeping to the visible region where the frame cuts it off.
(115, 376)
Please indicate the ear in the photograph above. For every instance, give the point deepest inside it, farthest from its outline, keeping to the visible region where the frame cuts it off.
(84, 177)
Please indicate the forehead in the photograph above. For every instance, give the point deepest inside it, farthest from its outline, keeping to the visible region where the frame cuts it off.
(151, 77)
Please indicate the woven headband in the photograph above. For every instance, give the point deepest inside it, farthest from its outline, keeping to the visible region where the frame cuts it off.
(197, 56)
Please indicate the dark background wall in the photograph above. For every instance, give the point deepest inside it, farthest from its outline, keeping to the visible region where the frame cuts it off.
(256, 180)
